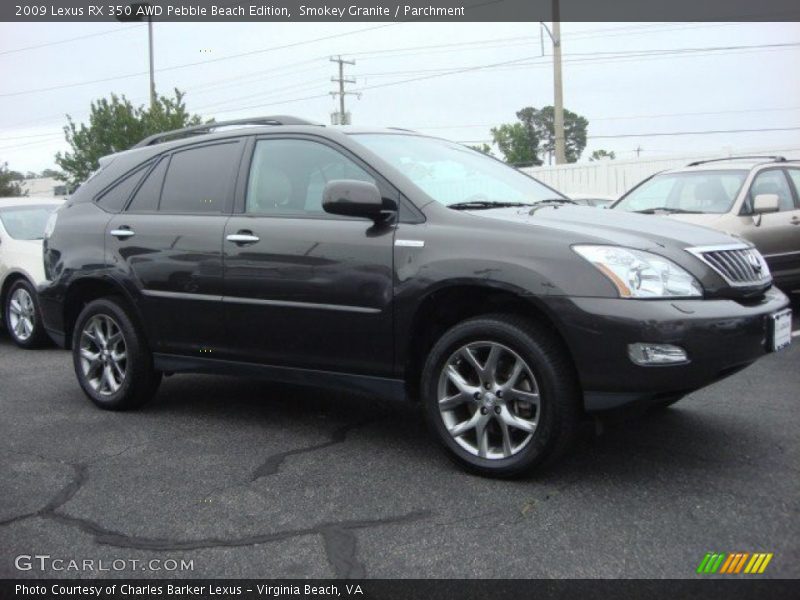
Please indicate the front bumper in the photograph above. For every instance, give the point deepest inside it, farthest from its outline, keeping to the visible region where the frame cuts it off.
(720, 336)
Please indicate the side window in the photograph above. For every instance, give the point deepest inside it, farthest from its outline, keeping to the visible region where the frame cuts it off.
(772, 181)
(288, 176)
(199, 180)
(146, 197)
(794, 175)
(114, 200)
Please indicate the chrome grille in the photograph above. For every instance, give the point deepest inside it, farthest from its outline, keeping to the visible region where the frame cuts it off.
(739, 265)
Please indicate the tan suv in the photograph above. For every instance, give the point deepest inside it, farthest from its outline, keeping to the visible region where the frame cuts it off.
(754, 197)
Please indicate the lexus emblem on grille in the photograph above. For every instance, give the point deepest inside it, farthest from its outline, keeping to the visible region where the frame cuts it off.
(754, 262)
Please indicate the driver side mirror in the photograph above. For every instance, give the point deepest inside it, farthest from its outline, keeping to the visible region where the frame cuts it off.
(766, 203)
(352, 198)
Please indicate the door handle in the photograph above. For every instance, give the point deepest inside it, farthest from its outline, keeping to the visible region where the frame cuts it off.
(122, 233)
(243, 237)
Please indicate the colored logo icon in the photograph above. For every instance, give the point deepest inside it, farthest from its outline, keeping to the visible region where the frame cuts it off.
(734, 563)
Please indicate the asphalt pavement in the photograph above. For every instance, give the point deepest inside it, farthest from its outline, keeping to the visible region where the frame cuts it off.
(244, 478)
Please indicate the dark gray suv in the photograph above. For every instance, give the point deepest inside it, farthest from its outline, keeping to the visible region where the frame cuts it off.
(399, 265)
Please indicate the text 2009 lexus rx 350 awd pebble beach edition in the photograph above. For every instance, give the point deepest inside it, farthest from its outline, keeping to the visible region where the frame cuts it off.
(399, 265)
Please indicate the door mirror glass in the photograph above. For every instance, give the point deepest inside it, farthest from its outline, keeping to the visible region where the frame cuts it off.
(766, 203)
(352, 198)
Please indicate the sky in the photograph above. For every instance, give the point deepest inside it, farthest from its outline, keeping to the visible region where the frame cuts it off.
(451, 80)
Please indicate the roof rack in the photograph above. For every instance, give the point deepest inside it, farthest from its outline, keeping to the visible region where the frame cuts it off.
(702, 162)
(209, 127)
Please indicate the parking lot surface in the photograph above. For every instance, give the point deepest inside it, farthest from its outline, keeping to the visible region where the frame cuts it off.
(245, 478)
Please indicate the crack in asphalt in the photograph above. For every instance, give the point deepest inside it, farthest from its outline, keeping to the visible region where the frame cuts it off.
(272, 463)
(63, 496)
(339, 538)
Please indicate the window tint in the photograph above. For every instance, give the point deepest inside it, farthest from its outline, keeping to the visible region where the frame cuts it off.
(199, 180)
(288, 176)
(794, 175)
(146, 197)
(773, 182)
(114, 199)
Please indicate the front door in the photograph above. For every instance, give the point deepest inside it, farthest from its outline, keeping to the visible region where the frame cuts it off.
(777, 234)
(304, 288)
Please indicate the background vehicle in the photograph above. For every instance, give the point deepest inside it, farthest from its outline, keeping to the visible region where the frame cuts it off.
(398, 264)
(22, 224)
(756, 198)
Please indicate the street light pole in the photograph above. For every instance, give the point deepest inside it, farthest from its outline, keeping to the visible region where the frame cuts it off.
(558, 90)
(152, 65)
(135, 15)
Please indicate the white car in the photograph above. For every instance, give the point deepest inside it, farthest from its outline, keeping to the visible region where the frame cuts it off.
(22, 224)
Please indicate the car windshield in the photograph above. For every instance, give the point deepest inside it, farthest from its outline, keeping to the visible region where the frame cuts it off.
(26, 222)
(689, 192)
(453, 174)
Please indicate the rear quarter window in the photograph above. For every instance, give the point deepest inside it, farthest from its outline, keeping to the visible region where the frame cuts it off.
(114, 199)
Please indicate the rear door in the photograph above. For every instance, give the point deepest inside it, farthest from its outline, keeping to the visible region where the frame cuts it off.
(305, 288)
(777, 234)
(168, 241)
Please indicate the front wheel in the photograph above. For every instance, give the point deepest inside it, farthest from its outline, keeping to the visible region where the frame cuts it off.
(111, 359)
(23, 318)
(501, 395)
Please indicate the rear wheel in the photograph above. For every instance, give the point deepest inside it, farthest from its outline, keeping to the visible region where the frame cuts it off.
(22, 315)
(501, 395)
(111, 359)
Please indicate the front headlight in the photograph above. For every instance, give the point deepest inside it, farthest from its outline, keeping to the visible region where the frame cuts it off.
(638, 274)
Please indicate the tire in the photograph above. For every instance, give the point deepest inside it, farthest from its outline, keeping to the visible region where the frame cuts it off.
(23, 318)
(134, 380)
(533, 434)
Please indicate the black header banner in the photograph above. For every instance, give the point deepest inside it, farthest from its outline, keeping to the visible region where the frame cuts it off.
(398, 10)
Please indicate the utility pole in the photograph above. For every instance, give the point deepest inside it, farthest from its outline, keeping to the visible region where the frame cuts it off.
(342, 117)
(558, 91)
(638, 150)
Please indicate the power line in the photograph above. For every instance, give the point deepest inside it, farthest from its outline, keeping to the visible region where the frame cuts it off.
(64, 41)
(704, 132)
(202, 62)
(665, 133)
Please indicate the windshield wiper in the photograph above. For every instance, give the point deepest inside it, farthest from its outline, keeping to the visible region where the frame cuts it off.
(680, 211)
(480, 204)
(550, 202)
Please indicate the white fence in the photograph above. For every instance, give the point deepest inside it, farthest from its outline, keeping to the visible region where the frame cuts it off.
(615, 177)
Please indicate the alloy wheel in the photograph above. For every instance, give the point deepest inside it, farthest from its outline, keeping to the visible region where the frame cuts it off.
(21, 314)
(489, 400)
(103, 354)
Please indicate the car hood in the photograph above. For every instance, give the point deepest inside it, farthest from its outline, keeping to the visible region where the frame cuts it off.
(591, 225)
(704, 219)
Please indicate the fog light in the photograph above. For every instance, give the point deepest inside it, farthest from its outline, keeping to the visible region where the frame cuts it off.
(656, 354)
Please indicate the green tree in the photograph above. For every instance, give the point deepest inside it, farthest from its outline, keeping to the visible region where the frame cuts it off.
(115, 124)
(602, 155)
(9, 185)
(485, 148)
(533, 135)
(518, 145)
(52, 173)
